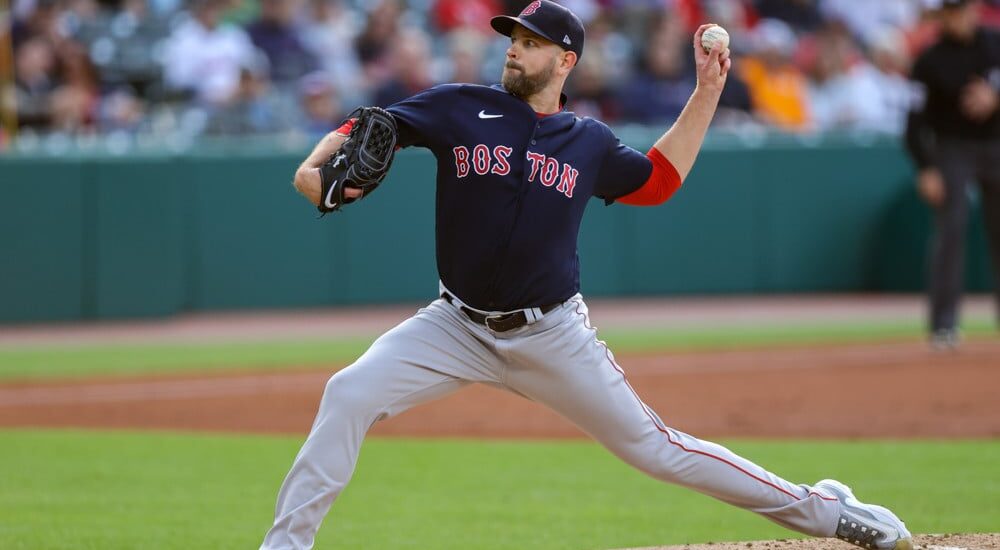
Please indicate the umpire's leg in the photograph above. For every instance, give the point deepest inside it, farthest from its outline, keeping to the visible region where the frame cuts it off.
(947, 257)
(988, 175)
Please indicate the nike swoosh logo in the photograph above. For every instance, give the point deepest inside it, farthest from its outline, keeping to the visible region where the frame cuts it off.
(482, 114)
(328, 201)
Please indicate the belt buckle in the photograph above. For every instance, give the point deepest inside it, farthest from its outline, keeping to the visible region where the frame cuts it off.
(495, 317)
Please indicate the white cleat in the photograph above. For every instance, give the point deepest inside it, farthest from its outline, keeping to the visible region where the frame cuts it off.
(866, 525)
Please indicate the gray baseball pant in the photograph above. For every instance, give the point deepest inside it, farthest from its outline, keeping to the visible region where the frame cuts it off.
(558, 362)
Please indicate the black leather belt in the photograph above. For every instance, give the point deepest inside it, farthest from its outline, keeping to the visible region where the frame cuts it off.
(498, 323)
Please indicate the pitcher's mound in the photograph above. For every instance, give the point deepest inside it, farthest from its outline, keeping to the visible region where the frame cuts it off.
(966, 541)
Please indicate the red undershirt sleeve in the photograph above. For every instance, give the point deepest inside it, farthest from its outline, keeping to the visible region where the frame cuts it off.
(345, 129)
(661, 185)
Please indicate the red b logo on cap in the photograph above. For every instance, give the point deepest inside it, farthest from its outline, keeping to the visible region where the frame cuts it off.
(532, 8)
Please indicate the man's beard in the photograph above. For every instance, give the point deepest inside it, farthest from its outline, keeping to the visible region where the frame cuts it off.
(522, 85)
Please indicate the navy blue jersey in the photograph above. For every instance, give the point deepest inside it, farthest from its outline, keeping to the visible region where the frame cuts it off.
(512, 189)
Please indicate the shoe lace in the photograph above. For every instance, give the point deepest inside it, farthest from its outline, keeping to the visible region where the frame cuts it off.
(856, 533)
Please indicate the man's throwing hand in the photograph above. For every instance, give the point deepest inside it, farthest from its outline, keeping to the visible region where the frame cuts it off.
(713, 66)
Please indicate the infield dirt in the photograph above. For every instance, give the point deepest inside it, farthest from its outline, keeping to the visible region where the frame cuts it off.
(861, 390)
(965, 541)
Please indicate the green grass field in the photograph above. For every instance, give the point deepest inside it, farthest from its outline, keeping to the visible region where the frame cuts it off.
(87, 360)
(157, 491)
(113, 490)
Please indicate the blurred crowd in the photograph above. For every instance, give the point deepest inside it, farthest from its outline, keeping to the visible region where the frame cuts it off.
(239, 67)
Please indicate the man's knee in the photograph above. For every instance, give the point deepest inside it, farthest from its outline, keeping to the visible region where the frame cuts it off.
(349, 391)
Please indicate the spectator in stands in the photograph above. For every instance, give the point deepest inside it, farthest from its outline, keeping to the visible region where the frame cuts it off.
(122, 111)
(331, 27)
(660, 90)
(586, 10)
(465, 58)
(637, 19)
(276, 33)
(42, 19)
(799, 14)
(866, 18)
(778, 90)
(888, 70)
(78, 96)
(589, 91)
(842, 95)
(35, 83)
(320, 105)
(953, 135)
(73, 96)
(52, 93)
(608, 42)
(450, 15)
(990, 13)
(204, 57)
(372, 45)
(410, 55)
(737, 16)
(252, 110)
(123, 42)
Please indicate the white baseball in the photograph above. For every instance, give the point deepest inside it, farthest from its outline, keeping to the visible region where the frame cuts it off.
(712, 35)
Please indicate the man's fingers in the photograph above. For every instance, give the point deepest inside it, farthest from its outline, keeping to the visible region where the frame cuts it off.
(697, 36)
(724, 56)
(352, 193)
(701, 30)
(713, 56)
(726, 65)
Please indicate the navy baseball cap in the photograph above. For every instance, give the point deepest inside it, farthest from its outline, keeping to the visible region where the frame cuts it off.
(548, 20)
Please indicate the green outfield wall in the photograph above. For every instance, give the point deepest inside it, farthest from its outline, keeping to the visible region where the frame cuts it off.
(98, 236)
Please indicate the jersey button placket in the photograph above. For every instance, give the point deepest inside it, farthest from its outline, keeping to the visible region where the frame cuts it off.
(502, 251)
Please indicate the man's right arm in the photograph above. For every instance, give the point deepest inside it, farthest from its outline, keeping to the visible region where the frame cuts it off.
(919, 140)
(415, 118)
(307, 179)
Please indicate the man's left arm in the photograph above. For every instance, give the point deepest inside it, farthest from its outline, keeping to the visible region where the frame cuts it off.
(671, 158)
(681, 143)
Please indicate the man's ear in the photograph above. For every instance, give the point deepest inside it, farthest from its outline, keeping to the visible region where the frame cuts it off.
(569, 60)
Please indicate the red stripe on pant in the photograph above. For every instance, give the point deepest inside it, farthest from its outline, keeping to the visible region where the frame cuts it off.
(607, 353)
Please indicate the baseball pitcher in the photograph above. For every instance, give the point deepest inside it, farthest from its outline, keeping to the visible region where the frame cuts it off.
(514, 174)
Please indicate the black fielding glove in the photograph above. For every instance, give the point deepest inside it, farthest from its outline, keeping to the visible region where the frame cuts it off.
(362, 162)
